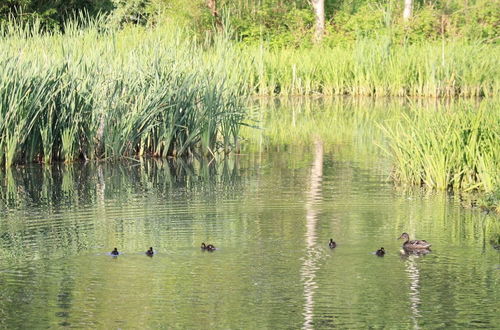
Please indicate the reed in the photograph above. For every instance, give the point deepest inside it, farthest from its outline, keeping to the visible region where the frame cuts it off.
(442, 149)
(94, 94)
(378, 67)
(446, 145)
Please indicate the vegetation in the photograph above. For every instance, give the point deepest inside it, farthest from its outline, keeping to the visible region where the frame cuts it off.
(285, 23)
(378, 67)
(124, 84)
(439, 145)
(133, 92)
(448, 150)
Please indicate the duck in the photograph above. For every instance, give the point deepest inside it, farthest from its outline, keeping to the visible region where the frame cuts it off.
(115, 252)
(380, 252)
(332, 244)
(208, 247)
(150, 252)
(414, 244)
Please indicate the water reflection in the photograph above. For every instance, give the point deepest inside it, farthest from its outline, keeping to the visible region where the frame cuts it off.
(267, 212)
(414, 295)
(309, 267)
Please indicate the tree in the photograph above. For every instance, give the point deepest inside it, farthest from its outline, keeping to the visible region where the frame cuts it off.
(212, 5)
(407, 10)
(319, 11)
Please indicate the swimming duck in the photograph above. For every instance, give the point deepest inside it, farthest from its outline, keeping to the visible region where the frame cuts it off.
(150, 252)
(115, 252)
(380, 252)
(414, 244)
(332, 244)
(208, 247)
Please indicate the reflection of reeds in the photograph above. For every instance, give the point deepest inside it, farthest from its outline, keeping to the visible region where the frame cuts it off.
(443, 144)
(62, 191)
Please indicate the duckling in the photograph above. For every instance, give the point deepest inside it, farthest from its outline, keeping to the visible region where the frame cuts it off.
(380, 252)
(332, 244)
(413, 244)
(208, 247)
(115, 252)
(150, 252)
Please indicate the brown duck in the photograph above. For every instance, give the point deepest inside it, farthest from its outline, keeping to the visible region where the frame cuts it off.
(414, 244)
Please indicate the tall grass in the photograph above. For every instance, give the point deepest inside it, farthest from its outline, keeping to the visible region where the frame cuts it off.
(91, 93)
(440, 144)
(378, 67)
(445, 149)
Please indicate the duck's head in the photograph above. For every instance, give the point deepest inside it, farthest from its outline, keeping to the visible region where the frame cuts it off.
(404, 236)
(382, 249)
(115, 250)
(150, 250)
(331, 240)
(203, 246)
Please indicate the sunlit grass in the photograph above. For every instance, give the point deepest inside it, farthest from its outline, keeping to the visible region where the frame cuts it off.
(446, 148)
(93, 94)
(441, 145)
(378, 68)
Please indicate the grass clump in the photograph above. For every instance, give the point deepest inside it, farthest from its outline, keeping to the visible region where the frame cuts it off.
(96, 94)
(378, 67)
(441, 149)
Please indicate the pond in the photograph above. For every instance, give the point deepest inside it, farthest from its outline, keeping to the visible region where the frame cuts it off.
(270, 213)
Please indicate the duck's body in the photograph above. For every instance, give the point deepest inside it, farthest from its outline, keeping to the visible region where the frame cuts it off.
(332, 244)
(208, 247)
(380, 252)
(414, 244)
(115, 252)
(150, 252)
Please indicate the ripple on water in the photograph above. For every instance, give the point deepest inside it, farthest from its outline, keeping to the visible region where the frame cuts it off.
(272, 269)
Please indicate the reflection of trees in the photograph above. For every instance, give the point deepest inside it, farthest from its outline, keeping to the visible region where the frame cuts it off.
(309, 267)
(414, 294)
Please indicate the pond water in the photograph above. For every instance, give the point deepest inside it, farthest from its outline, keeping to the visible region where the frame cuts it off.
(270, 214)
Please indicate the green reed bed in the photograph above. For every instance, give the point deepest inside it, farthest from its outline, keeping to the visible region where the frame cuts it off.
(440, 144)
(379, 68)
(91, 93)
(448, 149)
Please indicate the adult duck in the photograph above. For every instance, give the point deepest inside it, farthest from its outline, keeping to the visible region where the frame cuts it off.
(332, 244)
(150, 252)
(414, 244)
(380, 252)
(115, 252)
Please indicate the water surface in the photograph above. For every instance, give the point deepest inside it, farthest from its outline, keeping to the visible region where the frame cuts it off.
(270, 214)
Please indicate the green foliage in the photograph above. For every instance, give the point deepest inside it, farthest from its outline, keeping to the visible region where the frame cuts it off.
(376, 67)
(284, 23)
(448, 150)
(51, 14)
(126, 93)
